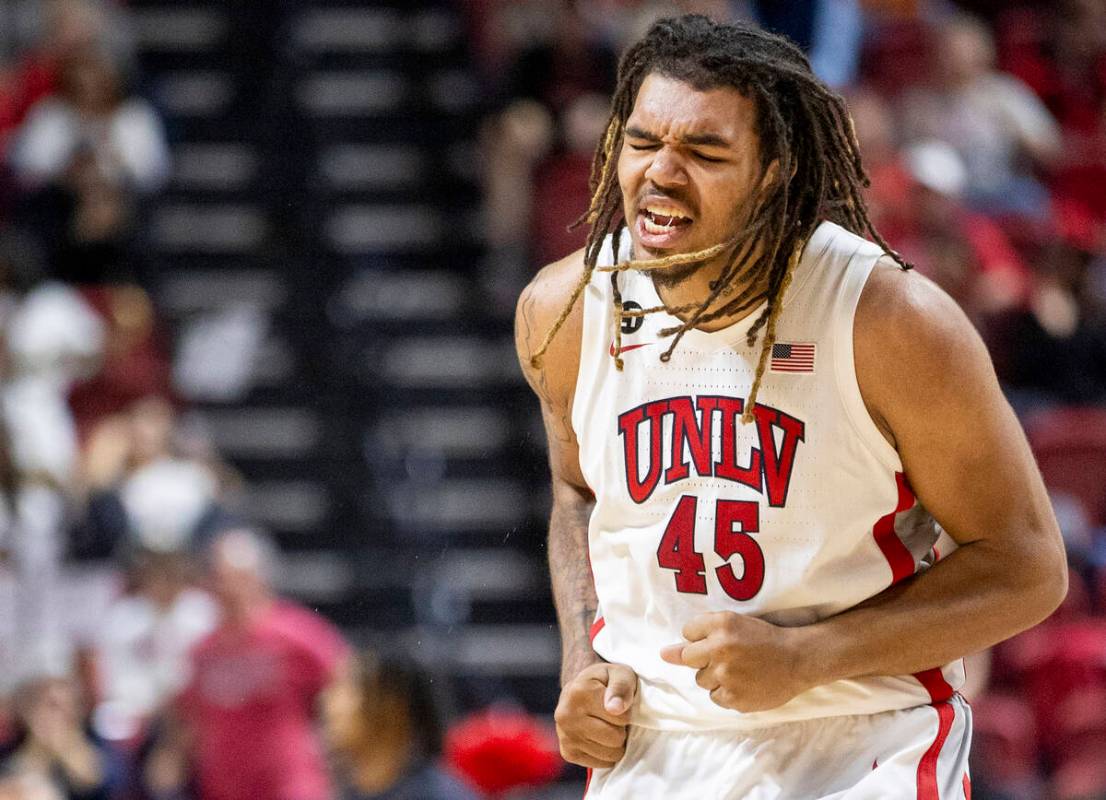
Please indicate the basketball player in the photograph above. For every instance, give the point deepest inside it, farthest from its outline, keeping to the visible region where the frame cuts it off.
(759, 423)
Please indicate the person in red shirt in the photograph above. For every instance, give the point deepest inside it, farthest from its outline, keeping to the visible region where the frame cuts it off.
(246, 721)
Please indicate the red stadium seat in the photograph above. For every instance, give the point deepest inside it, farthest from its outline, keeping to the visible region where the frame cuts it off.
(1004, 739)
(1070, 446)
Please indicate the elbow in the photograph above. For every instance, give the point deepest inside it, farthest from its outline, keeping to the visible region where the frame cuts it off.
(1059, 586)
(1050, 580)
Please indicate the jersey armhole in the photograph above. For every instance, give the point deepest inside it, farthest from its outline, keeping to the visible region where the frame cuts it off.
(594, 300)
(848, 386)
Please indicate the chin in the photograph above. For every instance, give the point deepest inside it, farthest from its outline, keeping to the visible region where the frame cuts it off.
(675, 275)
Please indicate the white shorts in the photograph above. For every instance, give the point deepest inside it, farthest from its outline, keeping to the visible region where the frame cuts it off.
(918, 753)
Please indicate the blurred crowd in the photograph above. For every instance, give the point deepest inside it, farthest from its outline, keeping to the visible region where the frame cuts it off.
(144, 649)
(983, 129)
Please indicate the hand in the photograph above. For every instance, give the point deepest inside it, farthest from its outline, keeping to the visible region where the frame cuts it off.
(745, 663)
(593, 713)
(52, 729)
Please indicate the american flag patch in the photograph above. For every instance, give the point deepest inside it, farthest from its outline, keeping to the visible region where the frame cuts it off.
(793, 357)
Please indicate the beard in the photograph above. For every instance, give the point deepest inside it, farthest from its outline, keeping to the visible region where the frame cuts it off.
(675, 275)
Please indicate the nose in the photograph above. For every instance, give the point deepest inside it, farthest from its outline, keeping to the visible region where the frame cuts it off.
(666, 168)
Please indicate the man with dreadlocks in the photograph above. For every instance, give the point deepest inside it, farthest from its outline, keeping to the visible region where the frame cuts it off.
(759, 424)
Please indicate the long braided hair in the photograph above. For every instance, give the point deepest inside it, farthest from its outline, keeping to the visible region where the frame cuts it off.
(803, 128)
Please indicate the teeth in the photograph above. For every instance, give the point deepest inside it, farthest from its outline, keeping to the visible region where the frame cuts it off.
(653, 227)
(665, 211)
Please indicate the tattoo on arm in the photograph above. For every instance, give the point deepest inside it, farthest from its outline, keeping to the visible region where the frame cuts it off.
(570, 569)
(573, 586)
(557, 422)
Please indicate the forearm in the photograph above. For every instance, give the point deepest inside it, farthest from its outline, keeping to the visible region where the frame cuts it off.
(81, 763)
(967, 602)
(573, 587)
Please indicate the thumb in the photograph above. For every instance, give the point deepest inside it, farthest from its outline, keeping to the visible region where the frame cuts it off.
(621, 688)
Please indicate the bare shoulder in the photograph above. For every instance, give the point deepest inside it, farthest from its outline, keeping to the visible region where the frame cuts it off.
(914, 348)
(905, 308)
(539, 307)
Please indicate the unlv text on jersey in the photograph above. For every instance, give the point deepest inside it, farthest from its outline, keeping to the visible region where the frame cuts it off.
(766, 468)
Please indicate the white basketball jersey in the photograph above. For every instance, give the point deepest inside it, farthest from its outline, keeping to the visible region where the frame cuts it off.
(793, 518)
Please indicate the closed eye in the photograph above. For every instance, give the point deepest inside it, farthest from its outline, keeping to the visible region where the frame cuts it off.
(710, 159)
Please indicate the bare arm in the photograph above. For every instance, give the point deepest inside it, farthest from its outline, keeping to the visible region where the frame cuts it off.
(593, 711)
(554, 384)
(573, 589)
(929, 385)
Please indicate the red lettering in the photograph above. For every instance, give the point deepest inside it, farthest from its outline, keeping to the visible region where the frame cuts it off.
(727, 468)
(769, 467)
(628, 423)
(778, 463)
(686, 428)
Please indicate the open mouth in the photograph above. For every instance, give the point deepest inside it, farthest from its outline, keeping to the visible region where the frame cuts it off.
(661, 224)
(663, 220)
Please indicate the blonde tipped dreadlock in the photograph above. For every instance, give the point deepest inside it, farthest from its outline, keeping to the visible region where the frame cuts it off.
(649, 264)
(769, 338)
(805, 135)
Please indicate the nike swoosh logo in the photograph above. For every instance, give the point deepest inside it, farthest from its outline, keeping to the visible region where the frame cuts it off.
(627, 348)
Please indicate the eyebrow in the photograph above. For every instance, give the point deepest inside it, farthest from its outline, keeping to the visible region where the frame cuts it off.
(701, 139)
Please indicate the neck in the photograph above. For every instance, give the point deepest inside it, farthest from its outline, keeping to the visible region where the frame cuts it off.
(34, 755)
(243, 613)
(381, 770)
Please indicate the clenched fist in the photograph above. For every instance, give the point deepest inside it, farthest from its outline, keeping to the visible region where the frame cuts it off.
(745, 663)
(593, 714)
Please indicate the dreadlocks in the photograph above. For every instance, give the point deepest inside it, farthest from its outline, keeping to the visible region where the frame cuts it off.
(804, 130)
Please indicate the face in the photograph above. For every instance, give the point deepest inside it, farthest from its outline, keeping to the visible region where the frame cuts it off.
(966, 53)
(342, 712)
(689, 163)
(235, 573)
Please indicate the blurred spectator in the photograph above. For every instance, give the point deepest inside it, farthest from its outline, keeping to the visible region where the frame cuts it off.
(993, 120)
(561, 183)
(93, 126)
(246, 719)
(515, 142)
(142, 654)
(965, 252)
(384, 727)
(134, 366)
(830, 31)
(85, 156)
(1057, 347)
(147, 486)
(1061, 53)
(52, 742)
(888, 196)
(568, 63)
(28, 787)
(64, 26)
(52, 339)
